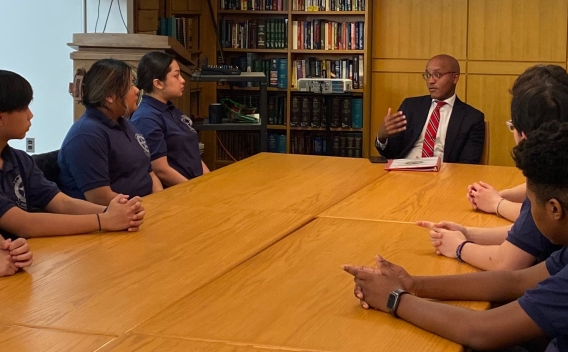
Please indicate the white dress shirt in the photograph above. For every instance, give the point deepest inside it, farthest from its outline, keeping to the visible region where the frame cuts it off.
(445, 113)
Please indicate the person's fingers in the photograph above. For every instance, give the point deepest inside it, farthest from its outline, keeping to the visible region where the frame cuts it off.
(391, 132)
(444, 224)
(18, 247)
(436, 235)
(358, 292)
(118, 198)
(136, 223)
(24, 264)
(427, 224)
(361, 272)
(396, 123)
(134, 200)
(138, 215)
(18, 242)
(478, 187)
(22, 257)
(382, 263)
(5, 245)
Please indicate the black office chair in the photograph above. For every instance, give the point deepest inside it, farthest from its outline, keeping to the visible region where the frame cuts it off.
(47, 163)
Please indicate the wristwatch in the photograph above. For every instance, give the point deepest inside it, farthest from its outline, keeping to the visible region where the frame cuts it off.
(394, 300)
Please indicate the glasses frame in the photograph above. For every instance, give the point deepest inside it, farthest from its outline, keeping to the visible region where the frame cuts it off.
(510, 126)
(435, 75)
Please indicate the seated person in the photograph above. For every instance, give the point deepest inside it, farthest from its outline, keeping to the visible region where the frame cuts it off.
(14, 255)
(522, 246)
(23, 186)
(537, 295)
(173, 143)
(439, 124)
(507, 203)
(103, 153)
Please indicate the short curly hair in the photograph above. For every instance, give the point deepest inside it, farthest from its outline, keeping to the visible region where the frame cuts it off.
(539, 73)
(543, 159)
(540, 95)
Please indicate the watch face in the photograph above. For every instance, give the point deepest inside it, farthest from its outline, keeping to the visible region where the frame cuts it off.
(391, 301)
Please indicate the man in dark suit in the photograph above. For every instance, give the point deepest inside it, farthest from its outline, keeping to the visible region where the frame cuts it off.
(439, 124)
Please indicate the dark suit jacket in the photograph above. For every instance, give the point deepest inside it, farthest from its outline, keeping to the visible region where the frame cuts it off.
(464, 138)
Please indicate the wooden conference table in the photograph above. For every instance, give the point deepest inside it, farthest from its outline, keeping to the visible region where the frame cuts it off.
(238, 260)
(413, 196)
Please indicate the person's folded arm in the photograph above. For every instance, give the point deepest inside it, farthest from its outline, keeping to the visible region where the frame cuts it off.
(63, 204)
(167, 174)
(516, 194)
(100, 195)
(479, 330)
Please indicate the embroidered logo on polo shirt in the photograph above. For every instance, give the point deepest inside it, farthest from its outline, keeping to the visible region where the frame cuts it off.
(142, 141)
(185, 119)
(20, 193)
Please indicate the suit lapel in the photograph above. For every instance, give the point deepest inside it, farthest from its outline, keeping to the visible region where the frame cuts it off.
(420, 120)
(456, 119)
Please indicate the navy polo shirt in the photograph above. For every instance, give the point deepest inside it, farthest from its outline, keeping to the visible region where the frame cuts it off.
(168, 132)
(547, 304)
(525, 235)
(99, 152)
(23, 185)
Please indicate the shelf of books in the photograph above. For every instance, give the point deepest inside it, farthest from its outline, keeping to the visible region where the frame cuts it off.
(293, 39)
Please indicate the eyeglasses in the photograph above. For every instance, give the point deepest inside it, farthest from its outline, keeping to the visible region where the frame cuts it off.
(510, 126)
(436, 75)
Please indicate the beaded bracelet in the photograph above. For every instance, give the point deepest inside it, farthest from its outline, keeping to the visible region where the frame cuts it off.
(459, 250)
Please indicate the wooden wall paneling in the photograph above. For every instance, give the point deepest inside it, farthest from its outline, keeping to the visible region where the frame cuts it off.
(504, 67)
(147, 21)
(517, 30)
(148, 4)
(185, 5)
(490, 94)
(367, 91)
(419, 29)
(488, 90)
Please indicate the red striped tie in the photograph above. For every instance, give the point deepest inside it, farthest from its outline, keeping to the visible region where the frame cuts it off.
(431, 130)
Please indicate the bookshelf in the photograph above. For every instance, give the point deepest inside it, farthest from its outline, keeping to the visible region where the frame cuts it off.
(204, 125)
(239, 36)
(278, 43)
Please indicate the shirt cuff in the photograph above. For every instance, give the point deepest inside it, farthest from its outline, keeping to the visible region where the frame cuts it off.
(380, 145)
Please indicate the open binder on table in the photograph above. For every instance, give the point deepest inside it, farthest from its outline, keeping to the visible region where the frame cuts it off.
(421, 164)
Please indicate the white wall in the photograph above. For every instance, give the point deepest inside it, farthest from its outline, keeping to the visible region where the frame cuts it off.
(33, 42)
